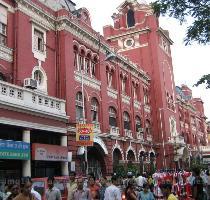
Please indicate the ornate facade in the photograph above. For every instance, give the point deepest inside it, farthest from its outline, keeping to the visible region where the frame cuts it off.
(130, 97)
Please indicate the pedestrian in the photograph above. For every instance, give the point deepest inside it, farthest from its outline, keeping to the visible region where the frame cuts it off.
(145, 194)
(198, 185)
(140, 180)
(112, 192)
(14, 192)
(52, 192)
(129, 191)
(208, 184)
(103, 182)
(166, 190)
(36, 194)
(81, 193)
(72, 185)
(94, 188)
(25, 190)
(7, 193)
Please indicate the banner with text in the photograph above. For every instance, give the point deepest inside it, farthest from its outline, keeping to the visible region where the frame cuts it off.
(84, 135)
(15, 150)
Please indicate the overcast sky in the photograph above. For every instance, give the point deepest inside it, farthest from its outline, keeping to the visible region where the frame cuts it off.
(189, 63)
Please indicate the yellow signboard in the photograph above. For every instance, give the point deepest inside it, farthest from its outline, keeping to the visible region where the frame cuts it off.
(84, 134)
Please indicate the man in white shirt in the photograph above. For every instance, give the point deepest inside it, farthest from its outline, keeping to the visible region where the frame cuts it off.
(112, 192)
(140, 180)
(36, 194)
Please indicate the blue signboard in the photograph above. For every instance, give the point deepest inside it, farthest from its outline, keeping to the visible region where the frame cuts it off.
(14, 150)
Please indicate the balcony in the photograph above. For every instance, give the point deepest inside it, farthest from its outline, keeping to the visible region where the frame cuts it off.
(128, 133)
(147, 108)
(140, 136)
(97, 127)
(112, 93)
(149, 138)
(177, 140)
(87, 80)
(114, 131)
(6, 53)
(31, 100)
(125, 99)
(137, 104)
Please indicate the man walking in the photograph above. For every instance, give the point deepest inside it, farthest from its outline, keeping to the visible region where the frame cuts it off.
(81, 193)
(72, 185)
(52, 192)
(113, 192)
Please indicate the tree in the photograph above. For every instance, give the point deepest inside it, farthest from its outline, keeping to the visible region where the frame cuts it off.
(195, 11)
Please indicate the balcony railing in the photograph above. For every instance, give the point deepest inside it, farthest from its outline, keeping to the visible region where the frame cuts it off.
(147, 108)
(26, 99)
(140, 136)
(137, 104)
(177, 140)
(125, 99)
(114, 131)
(149, 138)
(97, 127)
(128, 133)
(112, 93)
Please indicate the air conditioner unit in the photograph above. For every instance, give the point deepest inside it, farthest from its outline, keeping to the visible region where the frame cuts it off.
(30, 83)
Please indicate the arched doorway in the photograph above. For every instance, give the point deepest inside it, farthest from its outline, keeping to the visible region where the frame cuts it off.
(141, 162)
(96, 163)
(117, 156)
(131, 156)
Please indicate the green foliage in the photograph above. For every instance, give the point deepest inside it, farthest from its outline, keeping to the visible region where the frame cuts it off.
(120, 170)
(205, 79)
(197, 11)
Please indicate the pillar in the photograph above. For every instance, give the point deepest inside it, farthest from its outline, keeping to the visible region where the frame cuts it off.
(64, 165)
(26, 168)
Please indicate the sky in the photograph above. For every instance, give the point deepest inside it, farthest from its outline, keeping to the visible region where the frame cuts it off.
(189, 62)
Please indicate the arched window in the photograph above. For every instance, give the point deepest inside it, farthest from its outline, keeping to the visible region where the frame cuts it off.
(81, 60)
(130, 18)
(76, 57)
(138, 124)
(93, 67)
(146, 97)
(79, 106)
(112, 117)
(2, 77)
(126, 119)
(87, 64)
(94, 110)
(148, 127)
(38, 76)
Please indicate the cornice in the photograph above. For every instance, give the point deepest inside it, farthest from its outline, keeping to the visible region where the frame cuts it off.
(30, 125)
(133, 32)
(38, 14)
(160, 30)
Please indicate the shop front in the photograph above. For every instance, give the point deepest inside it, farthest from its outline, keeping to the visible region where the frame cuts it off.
(13, 155)
(48, 160)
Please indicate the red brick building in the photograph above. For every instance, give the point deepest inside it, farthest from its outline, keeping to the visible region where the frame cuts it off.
(128, 84)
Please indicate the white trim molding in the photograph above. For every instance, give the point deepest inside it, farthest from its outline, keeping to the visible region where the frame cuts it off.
(132, 149)
(117, 146)
(102, 144)
(30, 125)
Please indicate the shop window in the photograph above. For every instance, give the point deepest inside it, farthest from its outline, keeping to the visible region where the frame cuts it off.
(79, 106)
(3, 25)
(138, 123)
(94, 110)
(112, 117)
(126, 119)
(38, 40)
(130, 18)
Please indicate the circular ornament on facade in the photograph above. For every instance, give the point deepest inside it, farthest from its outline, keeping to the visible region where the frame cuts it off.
(129, 42)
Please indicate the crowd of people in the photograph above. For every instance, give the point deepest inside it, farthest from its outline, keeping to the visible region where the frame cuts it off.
(162, 185)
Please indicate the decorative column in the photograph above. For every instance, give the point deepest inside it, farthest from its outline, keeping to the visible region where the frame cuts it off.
(64, 165)
(26, 169)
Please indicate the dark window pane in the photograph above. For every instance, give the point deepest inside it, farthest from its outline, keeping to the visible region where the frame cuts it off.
(130, 18)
